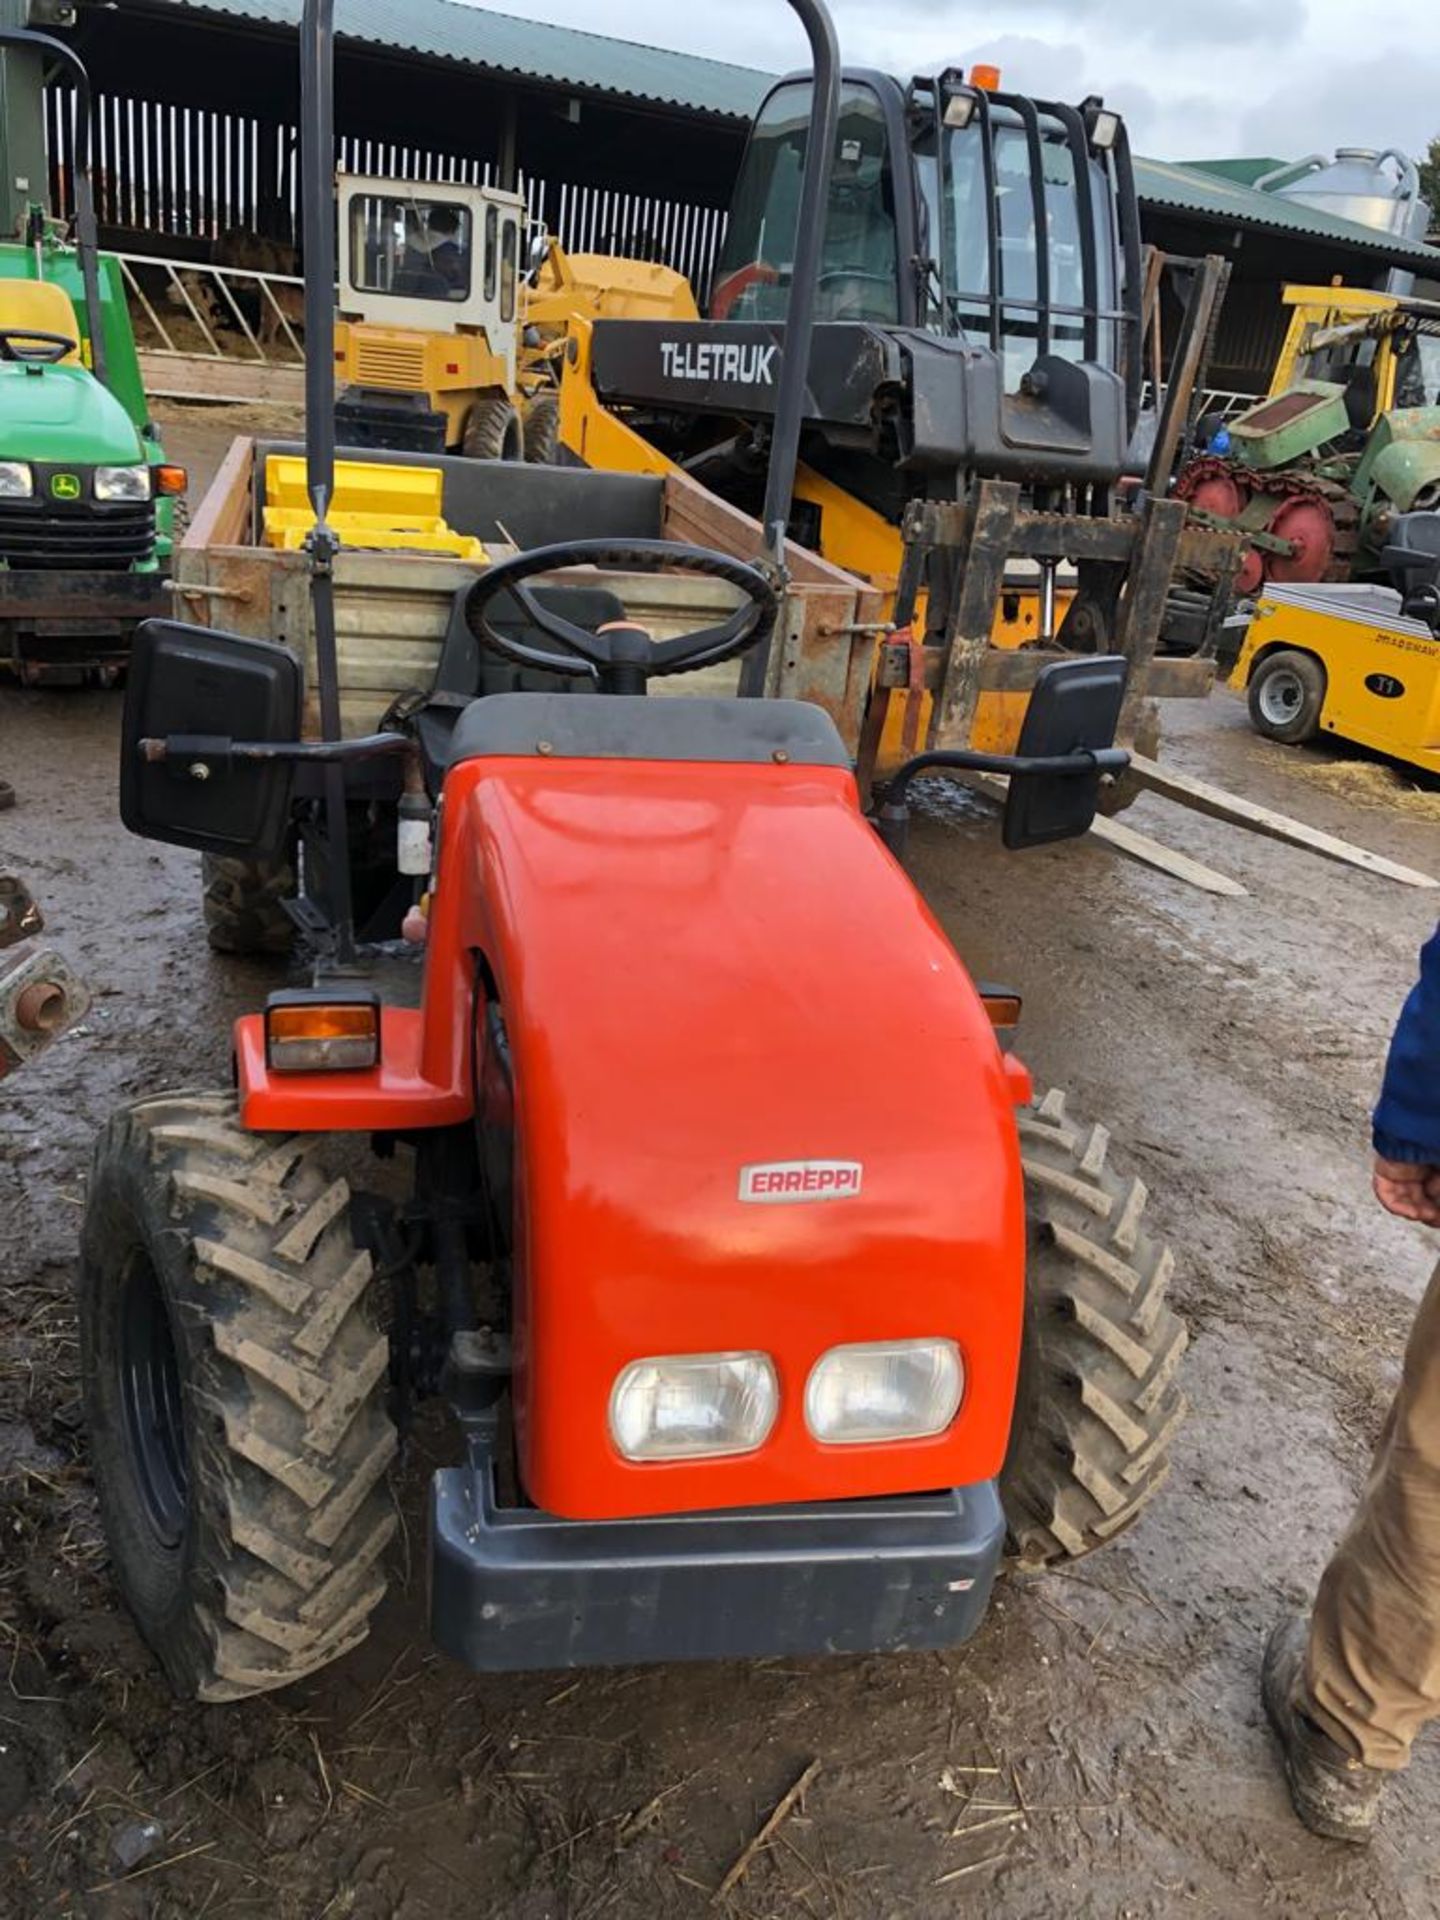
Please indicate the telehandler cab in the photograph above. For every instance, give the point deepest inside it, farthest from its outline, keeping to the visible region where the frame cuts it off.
(756, 1342)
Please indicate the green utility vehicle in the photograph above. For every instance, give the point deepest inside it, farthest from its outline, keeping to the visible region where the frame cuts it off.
(87, 499)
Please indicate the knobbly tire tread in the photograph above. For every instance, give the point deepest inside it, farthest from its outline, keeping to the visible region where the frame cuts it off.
(1097, 1403)
(243, 904)
(542, 428)
(493, 430)
(284, 1385)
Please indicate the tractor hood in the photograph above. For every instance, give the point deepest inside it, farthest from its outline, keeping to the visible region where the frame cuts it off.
(1401, 464)
(63, 414)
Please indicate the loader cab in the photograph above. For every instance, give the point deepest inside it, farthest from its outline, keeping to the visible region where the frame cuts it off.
(428, 326)
(977, 216)
(441, 259)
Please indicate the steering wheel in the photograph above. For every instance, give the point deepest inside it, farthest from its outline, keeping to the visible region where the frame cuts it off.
(52, 346)
(621, 657)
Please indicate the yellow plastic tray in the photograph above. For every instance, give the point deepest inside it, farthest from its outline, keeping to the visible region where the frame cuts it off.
(374, 506)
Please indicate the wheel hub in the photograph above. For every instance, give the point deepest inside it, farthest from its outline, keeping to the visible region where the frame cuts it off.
(1281, 697)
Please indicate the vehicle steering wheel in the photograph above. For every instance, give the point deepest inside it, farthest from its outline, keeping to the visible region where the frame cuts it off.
(621, 657)
(52, 346)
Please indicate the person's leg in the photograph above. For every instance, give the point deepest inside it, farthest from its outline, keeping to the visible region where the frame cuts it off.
(1372, 1669)
(1364, 1681)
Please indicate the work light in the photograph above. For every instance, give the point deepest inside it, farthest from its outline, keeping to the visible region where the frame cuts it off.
(688, 1406)
(1102, 123)
(884, 1390)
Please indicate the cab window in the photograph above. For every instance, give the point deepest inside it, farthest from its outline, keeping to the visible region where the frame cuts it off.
(509, 268)
(492, 251)
(859, 267)
(959, 219)
(412, 247)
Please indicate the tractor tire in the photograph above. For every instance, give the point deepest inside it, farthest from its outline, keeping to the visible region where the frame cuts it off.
(1097, 1405)
(542, 428)
(493, 430)
(1287, 697)
(235, 1393)
(243, 903)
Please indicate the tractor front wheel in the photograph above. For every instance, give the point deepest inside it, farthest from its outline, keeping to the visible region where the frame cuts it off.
(235, 1394)
(1097, 1403)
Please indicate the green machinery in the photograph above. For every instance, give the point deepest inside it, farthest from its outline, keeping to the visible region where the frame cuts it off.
(1346, 441)
(87, 499)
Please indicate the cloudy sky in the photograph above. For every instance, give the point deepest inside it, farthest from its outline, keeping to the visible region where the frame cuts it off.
(1286, 77)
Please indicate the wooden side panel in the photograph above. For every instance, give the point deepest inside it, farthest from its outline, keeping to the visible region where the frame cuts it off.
(223, 517)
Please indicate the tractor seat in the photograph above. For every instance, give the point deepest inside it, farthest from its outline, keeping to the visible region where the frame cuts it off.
(1411, 559)
(41, 304)
(468, 672)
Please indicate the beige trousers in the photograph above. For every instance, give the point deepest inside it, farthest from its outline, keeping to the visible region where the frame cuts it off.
(1372, 1673)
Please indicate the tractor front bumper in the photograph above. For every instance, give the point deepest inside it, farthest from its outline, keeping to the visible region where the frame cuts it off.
(54, 624)
(512, 1589)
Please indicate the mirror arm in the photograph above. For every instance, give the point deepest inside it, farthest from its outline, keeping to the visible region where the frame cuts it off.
(213, 749)
(892, 819)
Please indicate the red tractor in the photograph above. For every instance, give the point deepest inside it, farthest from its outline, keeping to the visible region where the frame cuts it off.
(700, 1182)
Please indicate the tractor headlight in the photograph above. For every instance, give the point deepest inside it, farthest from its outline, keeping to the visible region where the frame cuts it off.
(884, 1390)
(686, 1406)
(17, 480)
(122, 483)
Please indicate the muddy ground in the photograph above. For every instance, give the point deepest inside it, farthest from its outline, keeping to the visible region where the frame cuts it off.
(1097, 1750)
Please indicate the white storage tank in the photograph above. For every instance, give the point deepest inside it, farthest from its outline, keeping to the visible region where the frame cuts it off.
(1373, 188)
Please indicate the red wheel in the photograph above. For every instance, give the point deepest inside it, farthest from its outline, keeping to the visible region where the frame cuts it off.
(1215, 489)
(1310, 525)
(1219, 493)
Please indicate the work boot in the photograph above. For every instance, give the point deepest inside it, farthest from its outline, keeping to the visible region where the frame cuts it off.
(1333, 1794)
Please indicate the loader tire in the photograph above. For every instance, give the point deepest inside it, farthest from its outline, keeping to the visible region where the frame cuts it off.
(235, 1394)
(244, 904)
(542, 429)
(1097, 1403)
(493, 430)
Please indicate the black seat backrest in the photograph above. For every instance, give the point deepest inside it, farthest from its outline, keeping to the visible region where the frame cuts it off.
(468, 671)
(1411, 558)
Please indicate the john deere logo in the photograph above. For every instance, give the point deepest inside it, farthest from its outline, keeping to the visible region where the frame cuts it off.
(65, 486)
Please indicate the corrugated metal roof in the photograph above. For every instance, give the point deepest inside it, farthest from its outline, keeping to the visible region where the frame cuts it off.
(1246, 171)
(595, 62)
(446, 30)
(1185, 190)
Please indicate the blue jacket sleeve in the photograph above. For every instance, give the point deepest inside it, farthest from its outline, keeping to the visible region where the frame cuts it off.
(1407, 1120)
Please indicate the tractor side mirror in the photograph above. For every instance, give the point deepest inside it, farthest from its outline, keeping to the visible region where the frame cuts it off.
(1074, 709)
(191, 695)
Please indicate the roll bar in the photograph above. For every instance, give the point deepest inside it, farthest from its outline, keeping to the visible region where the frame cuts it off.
(800, 311)
(87, 245)
(317, 167)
